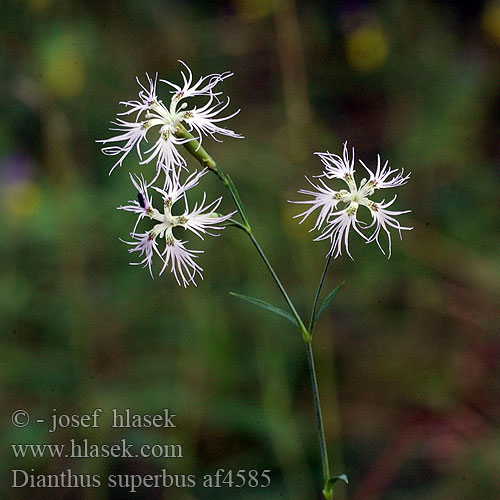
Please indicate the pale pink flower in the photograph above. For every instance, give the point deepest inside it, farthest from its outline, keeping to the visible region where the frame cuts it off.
(201, 219)
(157, 122)
(338, 209)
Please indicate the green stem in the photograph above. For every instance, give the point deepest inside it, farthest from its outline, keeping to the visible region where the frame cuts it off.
(318, 291)
(327, 492)
(303, 330)
(206, 160)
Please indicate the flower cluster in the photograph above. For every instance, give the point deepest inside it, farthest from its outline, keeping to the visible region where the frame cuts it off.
(149, 119)
(338, 210)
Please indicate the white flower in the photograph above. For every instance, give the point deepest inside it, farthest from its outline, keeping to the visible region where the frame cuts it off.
(146, 97)
(383, 219)
(324, 198)
(131, 133)
(201, 219)
(203, 120)
(336, 222)
(145, 244)
(203, 86)
(155, 120)
(380, 179)
(144, 203)
(337, 166)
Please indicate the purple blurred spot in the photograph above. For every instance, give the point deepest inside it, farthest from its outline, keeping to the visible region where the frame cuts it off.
(16, 168)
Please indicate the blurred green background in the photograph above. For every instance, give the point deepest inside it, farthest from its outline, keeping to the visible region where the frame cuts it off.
(408, 354)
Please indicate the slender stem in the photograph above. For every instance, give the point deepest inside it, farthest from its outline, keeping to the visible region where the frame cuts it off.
(303, 330)
(206, 160)
(327, 493)
(318, 292)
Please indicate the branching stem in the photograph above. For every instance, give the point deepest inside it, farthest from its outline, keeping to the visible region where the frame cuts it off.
(193, 146)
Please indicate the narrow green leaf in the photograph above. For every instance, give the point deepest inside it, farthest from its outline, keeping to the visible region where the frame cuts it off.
(333, 480)
(327, 301)
(265, 305)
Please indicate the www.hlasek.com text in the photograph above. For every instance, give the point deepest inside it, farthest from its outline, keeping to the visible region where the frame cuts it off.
(86, 449)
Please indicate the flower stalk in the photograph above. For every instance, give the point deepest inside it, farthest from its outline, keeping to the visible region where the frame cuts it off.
(206, 160)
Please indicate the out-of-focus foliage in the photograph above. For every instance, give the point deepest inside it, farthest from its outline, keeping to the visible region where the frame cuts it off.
(408, 353)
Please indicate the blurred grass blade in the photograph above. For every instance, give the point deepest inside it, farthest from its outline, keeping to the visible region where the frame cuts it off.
(265, 305)
(327, 301)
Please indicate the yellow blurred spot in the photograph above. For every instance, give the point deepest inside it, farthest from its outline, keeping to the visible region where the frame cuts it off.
(23, 199)
(64, 73)
(367, 48)
(491, 21)
(254, 9)
(40, 5)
